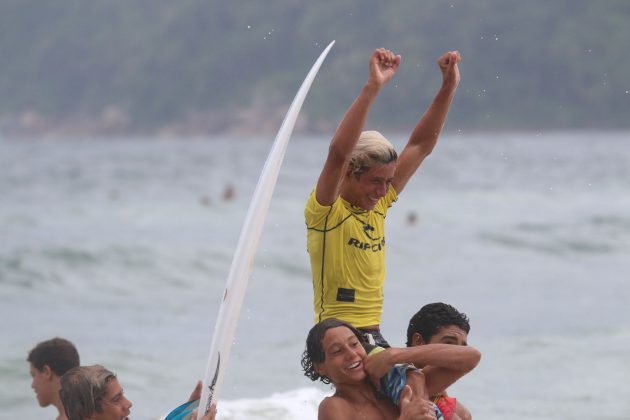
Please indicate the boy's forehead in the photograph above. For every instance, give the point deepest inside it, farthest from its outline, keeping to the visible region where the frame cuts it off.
(449, 330)
(381, 170)
(113, 388)
(337, 334)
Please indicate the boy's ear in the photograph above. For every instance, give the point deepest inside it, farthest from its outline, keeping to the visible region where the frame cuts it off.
(350, 173)
(319, 368)
(417, 340)
(47, 371)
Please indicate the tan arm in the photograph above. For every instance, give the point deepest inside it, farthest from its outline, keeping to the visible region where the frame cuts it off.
(425, 135)
(383, 66)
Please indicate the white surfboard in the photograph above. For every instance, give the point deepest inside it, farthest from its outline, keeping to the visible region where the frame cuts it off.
(246, 249)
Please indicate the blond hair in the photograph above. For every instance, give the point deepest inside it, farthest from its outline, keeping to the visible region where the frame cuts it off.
(371, 149)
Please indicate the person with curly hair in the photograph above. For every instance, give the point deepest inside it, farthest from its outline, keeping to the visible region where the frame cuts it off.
(335, 353)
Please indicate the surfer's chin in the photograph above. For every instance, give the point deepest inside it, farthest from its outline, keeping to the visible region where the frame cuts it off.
(371, 202)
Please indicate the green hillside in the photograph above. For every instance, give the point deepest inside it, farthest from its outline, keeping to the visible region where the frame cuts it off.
(207, 66)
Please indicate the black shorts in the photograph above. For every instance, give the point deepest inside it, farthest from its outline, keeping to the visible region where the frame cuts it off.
(374, 337)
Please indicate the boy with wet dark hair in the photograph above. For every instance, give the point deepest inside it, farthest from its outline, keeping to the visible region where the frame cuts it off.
(440, 323)
(430, 319)
(49, 360)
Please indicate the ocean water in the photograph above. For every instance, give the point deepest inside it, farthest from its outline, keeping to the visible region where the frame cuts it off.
(124, 246)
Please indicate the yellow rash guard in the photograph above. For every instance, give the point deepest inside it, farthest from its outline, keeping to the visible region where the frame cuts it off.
(346, 245)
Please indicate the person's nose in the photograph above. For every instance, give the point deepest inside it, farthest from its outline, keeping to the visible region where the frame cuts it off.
(351, 353)
(382, 189)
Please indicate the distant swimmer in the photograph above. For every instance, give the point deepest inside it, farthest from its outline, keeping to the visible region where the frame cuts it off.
(49, 360)
(361, 178)
(93, 392)
(412, 218)
(228, 193)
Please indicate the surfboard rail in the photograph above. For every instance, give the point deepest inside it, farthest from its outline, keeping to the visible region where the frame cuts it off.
(240, 270)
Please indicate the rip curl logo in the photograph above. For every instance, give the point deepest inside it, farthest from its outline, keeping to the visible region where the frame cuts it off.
(367, 228)
(375, 244)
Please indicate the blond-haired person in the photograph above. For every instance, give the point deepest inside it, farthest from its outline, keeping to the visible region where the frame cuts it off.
(361, 178)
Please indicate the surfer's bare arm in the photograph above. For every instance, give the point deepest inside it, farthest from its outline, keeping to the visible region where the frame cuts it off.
(425, 135)
(444, 363)
(443, 371)
(383, 66)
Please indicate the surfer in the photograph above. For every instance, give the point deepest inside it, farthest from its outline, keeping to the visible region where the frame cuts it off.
(361, 178)
(335, 354)
(94, 393)
(440, 323)
(49, 360)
